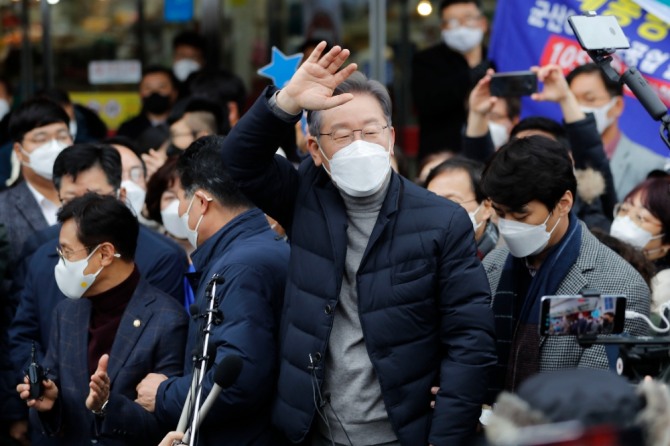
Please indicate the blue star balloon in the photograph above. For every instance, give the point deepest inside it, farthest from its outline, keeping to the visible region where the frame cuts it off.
(281, 68)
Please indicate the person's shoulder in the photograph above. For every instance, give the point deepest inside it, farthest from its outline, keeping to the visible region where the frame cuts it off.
(262, 248)
(597, 256)
(158, 300)
(418, 198)
(640, 153)
(426, 54)
(157, 243)
(495, 259)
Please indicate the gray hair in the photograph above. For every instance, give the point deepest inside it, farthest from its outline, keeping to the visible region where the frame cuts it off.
(356, 83)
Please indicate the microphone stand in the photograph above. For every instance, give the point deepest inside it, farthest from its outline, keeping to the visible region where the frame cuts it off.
(191, 405)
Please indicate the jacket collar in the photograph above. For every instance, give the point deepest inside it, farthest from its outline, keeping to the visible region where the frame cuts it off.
(248, 222)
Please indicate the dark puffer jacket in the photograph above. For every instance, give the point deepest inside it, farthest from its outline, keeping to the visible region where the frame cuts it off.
(423, 295)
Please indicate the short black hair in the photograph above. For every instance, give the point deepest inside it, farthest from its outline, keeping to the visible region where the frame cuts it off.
(35, 113)
(195, 104)
(472, 167)
(120, 140)
(56, 94)
(189, 38)
(545, 125)
(220, 86)
(103, 218)
(79, 158)
(202, 166)
(613, 88)
(153, 69)
(447, 3)
(527, 169)
(9, 87)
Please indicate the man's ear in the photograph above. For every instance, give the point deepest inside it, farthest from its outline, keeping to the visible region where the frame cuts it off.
(233, 113)
(19, 154)
(314, 152)
(565, 203)
(487, 209)
(205, 201)
(108, 254)
(122, 194)
(618, 107)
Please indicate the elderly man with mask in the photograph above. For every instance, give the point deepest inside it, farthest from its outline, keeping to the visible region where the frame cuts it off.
(385, 295)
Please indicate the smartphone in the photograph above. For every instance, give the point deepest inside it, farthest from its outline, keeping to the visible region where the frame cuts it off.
(579, 315)
(598, 32)
(513, 83)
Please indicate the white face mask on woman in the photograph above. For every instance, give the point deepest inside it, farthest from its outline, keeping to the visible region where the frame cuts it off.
(172, 223)
(360, 168)
(625, 229)
(525, 240)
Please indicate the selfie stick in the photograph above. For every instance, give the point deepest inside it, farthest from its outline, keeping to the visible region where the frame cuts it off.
(636, 83)
(214, 317)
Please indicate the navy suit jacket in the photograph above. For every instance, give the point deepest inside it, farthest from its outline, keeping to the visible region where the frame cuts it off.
(161, 264)
(150, 339)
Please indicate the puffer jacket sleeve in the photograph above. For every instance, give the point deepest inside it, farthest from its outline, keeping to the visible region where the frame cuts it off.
(467, 336)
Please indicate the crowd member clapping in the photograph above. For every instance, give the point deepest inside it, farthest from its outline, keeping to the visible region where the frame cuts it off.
(101, 346)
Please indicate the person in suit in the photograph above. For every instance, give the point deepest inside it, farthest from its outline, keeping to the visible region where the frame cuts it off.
(113, 329)
(597, 94)
(161, 262)
(39, 131)
(444, 74)
(549, 251)
(233, 240)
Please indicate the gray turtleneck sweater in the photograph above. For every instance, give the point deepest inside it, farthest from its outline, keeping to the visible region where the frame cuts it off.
(350, 380)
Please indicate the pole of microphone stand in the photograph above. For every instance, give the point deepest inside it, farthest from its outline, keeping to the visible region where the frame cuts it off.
(211, 293)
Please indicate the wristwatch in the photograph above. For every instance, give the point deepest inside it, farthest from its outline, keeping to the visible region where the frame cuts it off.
(102, 411)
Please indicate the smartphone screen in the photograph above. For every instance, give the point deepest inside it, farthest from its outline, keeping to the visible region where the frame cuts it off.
(598, 32)
(513, 83)
(579, 315)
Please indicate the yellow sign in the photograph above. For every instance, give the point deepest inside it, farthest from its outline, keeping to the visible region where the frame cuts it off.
(113, 107)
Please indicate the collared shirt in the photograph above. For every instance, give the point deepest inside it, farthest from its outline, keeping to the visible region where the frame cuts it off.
(48, 208)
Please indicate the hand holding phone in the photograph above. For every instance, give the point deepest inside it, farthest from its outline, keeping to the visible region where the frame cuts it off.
(513, 83)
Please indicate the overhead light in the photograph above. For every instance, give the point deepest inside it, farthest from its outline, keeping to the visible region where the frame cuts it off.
(53, 2)
(424, 8)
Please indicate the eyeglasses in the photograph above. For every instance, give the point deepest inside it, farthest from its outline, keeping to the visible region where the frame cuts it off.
(136, 173)
(343, 137)
(469, 21)
(636, 214)
(43, 138)
(65, 255)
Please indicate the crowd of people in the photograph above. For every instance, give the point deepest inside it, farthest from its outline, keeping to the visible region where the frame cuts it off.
(365, 307)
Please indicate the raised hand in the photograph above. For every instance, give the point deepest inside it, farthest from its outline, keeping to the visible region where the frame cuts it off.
(480, 103)
(99, 386)
(43, 404)
(312, 85)
(556, 89)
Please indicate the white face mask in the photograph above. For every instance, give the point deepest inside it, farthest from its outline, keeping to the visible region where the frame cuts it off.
(360, 168)
(70, 276)
(42, 158)
(184, 67)
(525, 240)
(192, 234)
(462, 38)
(600, 114)
(627, 231)
(73, 128)
(135, 196)
(4, 108)
(473, 218)
(172, 223)
(498, 133)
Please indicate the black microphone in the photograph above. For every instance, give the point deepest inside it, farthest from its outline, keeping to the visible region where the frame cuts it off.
(225, 375)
